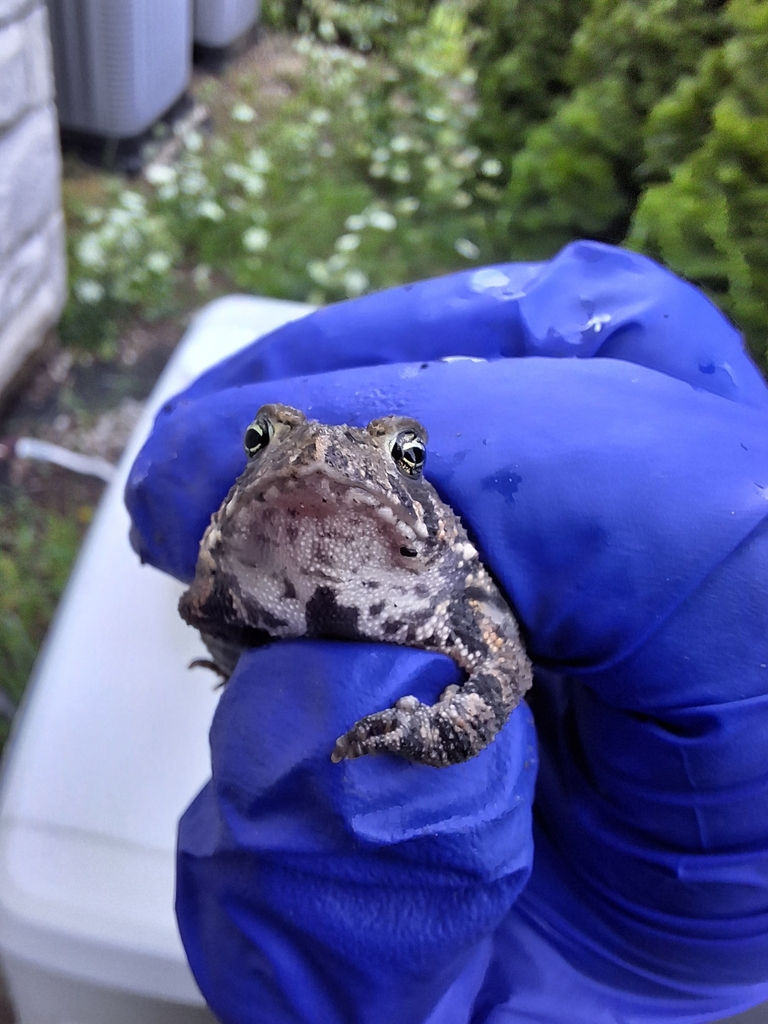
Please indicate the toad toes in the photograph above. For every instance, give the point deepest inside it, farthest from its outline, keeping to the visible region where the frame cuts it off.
(332, 532)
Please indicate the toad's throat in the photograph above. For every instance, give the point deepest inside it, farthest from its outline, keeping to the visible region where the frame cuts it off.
(325, 527)
(316, 561)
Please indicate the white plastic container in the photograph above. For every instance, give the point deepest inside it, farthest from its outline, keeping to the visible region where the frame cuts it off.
(219, 23)
(119, 64)
(110, 747)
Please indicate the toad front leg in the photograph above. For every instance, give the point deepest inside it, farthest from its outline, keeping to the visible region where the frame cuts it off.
(458, 727)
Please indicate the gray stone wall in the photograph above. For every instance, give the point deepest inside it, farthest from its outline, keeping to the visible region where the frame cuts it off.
(32, 260)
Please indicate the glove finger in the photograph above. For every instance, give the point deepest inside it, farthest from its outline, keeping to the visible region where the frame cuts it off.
(591, 300)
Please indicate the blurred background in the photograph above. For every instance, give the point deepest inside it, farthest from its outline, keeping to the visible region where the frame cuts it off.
(155, 156)
(317, 150)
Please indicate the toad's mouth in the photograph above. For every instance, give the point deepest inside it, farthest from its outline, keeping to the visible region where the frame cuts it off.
(322, 497)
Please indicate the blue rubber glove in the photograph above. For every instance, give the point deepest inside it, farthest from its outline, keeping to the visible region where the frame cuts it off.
(616, 483)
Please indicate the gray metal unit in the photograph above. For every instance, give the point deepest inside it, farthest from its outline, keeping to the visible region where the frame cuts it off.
(220, 22)
(119, 64)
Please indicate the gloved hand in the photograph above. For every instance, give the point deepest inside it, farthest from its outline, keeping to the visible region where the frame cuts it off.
(609, 455)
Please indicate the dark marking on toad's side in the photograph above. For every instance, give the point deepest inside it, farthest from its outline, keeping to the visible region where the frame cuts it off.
(322, 518)
(326, 617)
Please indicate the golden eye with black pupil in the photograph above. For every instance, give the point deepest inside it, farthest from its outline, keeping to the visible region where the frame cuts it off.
(257, 437)
(409, 453)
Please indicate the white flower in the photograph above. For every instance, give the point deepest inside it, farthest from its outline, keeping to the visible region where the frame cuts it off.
(432, 163)
(461, 199)
(400, 172)
(326, 149)
(210, 210)
(201, 276)
(326, 30)
(158, 262)
(319, 116)
(89, 291)
(89, 250)
(491, 168)
(243, 113)
(130, 238)
(347, 243)
(355, 283)
(436, 114)
(193, 183)
(318, 271)
(132, 201)
(380, 155)
(236, 203)
(377, 170)
(235, 171)
(337, 262)
(258, 159)
(466, 157)
(356, 222)
(109, 232)
(407, 205)
(400, 144)
(467, 249)
(256, 239)
(382, 219)
(93, 215)
(160, 174)
(119, 218)
(169, 191)
(253, 184)
(193, 141)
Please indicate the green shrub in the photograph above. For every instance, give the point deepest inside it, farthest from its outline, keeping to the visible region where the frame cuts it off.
(579, 173)
(710, 221)
(521, 57)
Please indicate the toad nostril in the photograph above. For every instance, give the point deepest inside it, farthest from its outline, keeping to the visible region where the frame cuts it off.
(408, 552)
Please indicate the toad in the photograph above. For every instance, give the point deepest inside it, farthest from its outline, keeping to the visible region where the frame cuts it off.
(333, 532)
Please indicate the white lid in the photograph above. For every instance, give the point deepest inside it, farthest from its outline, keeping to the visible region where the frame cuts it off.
(112, 742)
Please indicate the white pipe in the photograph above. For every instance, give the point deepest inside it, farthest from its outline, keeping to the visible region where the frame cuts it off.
(44, 451)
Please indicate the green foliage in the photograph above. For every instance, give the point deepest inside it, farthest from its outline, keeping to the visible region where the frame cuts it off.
(424, 135)
(37, 549)
(521, 60)
(360, 23)
(710, 221)
(364, 24)
(123, 255)
(367, 178)
(578, 172)
(280, 14)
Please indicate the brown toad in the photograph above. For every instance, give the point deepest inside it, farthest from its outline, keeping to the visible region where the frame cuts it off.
(332, 532)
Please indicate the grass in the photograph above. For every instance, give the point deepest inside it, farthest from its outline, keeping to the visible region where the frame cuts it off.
(37, 548)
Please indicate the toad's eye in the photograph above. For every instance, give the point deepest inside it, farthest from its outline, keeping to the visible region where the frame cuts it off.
(257, 437)
(409, 453)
